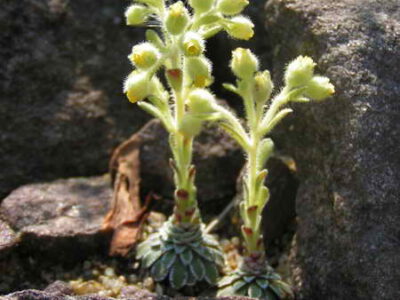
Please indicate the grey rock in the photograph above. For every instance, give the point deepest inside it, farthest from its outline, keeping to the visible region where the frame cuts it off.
(59, 287)
(60, 220)
(132, 292)
(8, 238)
(280, 210)
(62, 108)
(135, 294)
(347, 148)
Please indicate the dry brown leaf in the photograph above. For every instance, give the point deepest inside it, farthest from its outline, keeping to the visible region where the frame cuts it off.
(127, 214)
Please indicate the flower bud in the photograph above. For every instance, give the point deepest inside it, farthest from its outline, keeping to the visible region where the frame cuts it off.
(136, 15)
(299, 72)
(177, 18)
(201, 101)
(190, 125)
(262, 86)
(201, 5)
(144, 55)
(244, 63)
(319, 88)
(240, 28)
(193, 44)
(199, 71)
(231, 7)
(137, 86)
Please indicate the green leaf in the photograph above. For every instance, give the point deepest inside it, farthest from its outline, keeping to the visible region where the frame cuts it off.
(151, 256)
(273, 275)
(225, 292)
(159, 270)
(168, 259)
(211, 273)
(204, 252)
(242, 292)
(154, 38)
(178, 275)
(277, 290)
(248, 279)
(155, 112)
(296, 93)
(269, 295)
(197, 267)
(284, 287)
(238, 285)
(179, 248)
(263, 283)
(210, 241)
(230, 87)
(142, 249)
(186, 256)
(168, 246)
(192, 280)
(218, 256)
(234, 134)
(195, 244)
(155, 243)
(255, 291)
(275, 120)
(265, 151)
(207, 19)
(227, 280)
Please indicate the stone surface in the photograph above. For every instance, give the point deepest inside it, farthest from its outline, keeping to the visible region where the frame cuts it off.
(346, 149)
(280, 210)
(134, 295)
(217, 157)
(60, 220)
(8, 238)
(62, 108)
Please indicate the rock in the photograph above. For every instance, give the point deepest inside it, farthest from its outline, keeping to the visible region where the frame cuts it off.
(137, 295)
(8, 238)
(280, 210)
(217, 157)
(60, 220)
(63, 111)
(132, 292)
(59, 287)
(346, 149)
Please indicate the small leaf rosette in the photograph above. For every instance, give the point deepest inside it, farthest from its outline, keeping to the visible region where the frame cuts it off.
(181, 256)
(267, 285)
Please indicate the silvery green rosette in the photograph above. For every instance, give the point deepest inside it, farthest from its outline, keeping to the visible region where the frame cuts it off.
(181, 256)
(264, 283)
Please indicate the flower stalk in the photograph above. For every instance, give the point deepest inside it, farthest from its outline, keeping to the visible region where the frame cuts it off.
(182, 253)
(255, 278)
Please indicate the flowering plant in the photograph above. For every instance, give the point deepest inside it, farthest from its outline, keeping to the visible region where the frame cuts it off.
(181, 253)
(254, 277)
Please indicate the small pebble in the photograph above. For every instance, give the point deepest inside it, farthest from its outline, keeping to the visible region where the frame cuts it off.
(235, 241)
(136, 265)
(87, 265)
(109, 272)
(225, 244)
(132, 278)
(148, 284)
(159, 290)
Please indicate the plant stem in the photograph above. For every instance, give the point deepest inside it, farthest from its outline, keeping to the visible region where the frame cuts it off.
(185, 210)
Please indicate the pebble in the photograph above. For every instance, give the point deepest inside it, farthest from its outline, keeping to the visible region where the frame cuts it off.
(109, 272)
(235, 241)
(148, 284)
(132, 278)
